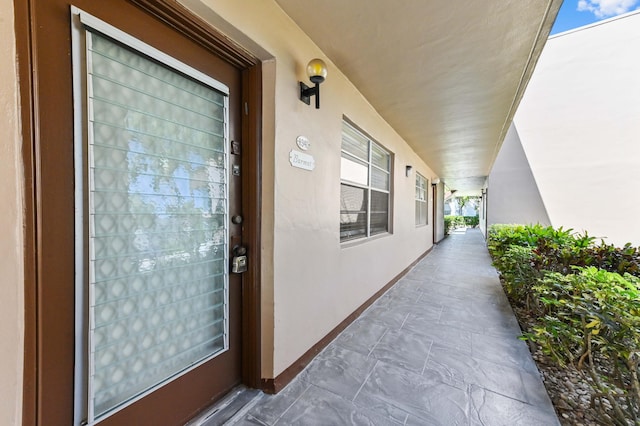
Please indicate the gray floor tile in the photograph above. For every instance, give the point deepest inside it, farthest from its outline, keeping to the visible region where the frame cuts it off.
(272, 407)
(460, 370)
(409, 286)
(489, 408)
(426, 314)
(406, 350)
(361, 336)
(500, 309)
(430, 287)
(535, 390)
(467, 294)
(381, 407)
(429, 400)
(454, 338)
(339, 370)
(442, 276)
(441, 347)
(416, 308)
(481, 322)
(385, 316)
(417, 282)
(321, 408)
(416, 421)
(249, 420)
(506, 351)
(419, 274)
(497, 329)
(411, 293)
(439, 295)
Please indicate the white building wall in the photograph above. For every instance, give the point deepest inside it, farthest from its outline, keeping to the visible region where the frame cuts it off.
(314, 282)
(579, 123)
(514, 194)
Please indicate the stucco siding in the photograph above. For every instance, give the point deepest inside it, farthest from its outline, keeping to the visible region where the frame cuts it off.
(514, 193)
(316, 282)
(578, 123)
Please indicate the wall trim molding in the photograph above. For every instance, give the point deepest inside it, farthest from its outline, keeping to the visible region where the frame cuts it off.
(25, 47)
(273, 386)
(179, 17)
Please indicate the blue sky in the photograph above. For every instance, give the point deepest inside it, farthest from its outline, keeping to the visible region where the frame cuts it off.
(577, 13)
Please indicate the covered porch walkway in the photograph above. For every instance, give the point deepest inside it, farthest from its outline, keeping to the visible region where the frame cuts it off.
(439, 348)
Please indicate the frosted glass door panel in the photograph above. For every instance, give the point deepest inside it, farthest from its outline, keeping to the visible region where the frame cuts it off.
(157, 203)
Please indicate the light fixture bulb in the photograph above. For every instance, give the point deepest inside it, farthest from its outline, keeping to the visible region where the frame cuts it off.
(317, 70)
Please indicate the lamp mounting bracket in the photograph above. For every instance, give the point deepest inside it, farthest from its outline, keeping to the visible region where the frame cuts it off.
(307, 92)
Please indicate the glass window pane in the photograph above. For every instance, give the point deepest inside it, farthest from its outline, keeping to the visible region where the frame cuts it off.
(360, 153)
(379, 179)
(424, 216)
(379, 212)
(421, 213)
(157, 223)
(421, 187)
(354, 142)
(353, 212)
(380, 157)
(421, 199)
(354, 170)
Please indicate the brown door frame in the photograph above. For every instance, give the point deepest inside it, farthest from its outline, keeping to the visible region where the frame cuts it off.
(434, 213)
(183, 21)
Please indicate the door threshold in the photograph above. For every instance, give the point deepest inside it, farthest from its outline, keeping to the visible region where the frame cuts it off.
(229, 409)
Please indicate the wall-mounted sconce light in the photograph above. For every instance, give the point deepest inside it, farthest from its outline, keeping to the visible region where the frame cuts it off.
(408, 170)
(317, 72)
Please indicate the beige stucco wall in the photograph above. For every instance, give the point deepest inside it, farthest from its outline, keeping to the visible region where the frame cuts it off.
(579, 124)
(314, 282)
(11, 219)
(514, 194)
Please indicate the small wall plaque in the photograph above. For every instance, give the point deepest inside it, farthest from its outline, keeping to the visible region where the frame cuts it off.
(301, 160)
(303, 143)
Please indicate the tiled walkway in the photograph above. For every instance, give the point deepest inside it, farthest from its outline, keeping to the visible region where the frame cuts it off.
(440, 348)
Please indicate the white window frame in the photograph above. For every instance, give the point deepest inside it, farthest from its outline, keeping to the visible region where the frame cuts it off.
(424, 200)
(369, 188)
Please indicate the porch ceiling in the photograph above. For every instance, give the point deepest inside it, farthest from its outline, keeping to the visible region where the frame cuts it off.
(447, 75)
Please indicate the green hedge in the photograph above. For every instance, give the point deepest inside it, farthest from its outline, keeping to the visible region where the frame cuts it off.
(586, 298)
(471, 221)
(591, 319)
(453, 222)
(559, 250)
